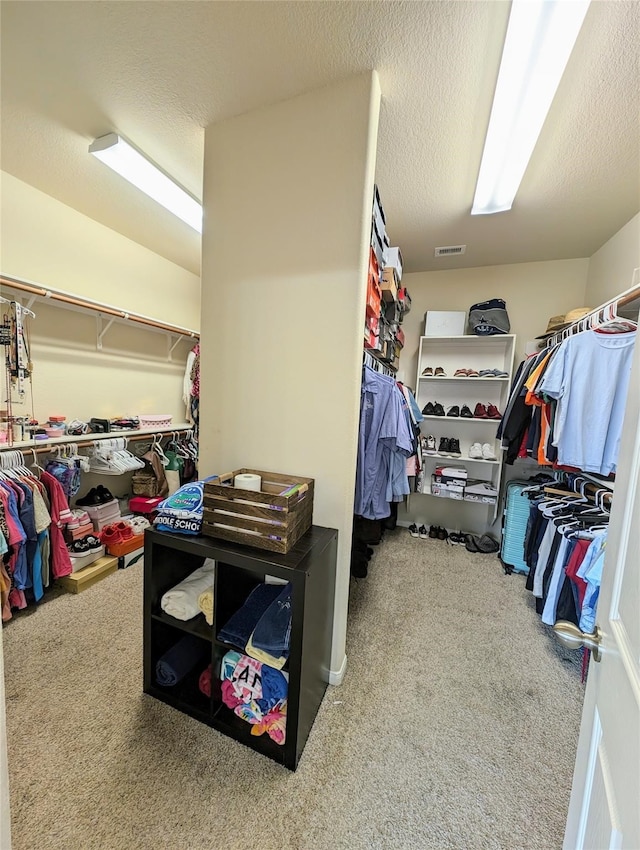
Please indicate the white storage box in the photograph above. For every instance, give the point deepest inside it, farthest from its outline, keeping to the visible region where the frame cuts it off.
(444, 323)
(394, 259)
(78, 564)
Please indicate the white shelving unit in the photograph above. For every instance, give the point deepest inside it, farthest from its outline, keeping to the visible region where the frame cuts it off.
(453, 353)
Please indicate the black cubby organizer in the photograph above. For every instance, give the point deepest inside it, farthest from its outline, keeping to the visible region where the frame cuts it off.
(310, 567)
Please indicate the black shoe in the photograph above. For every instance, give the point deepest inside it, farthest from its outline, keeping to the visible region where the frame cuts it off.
(443, 448)
(104, 495)
(413, 530)
(438, 409)
(454, 448)
(427, 410)
(433, 532)
(465, 412)
(90, 500)
(455, 538)
(470, 543)
(423, 532)
(442, 533)
(454, 411)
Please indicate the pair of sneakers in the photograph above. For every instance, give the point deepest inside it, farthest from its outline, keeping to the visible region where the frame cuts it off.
(435, 532)
(481, 451)
(448, 446)
(89, 545)
(421, 532)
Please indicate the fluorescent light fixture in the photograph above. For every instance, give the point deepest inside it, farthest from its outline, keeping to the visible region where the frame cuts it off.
(136, 168)
(540, 37)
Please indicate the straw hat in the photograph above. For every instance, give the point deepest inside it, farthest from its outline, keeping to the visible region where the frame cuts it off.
(559, 323)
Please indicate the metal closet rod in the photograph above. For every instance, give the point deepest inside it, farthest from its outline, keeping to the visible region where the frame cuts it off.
(111, 435)
(96, 306)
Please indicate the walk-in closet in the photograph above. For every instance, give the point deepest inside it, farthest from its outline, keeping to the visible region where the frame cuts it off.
(319, 405)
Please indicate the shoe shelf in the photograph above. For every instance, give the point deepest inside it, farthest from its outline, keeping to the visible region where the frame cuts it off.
(460, 459)
(90, 438)
(442, 379)
(452, 353)
(475, 419)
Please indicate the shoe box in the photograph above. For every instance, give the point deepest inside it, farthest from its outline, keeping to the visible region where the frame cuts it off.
(102, 515)
(480, 491)
(86, 577)
(444, 323)
(447, 491)
(449, 475)
(131, 558)
(144, 504)
(78, 564)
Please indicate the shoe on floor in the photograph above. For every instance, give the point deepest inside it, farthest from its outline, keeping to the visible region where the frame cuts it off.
(487, 544)
(493, 412)
(431, 445)
(454, 448)
(465, 412)
(413, 530)
(424, 534)
(470, 543)
(442, 533)
(454, 410)
(433, 532)
(427, 410)
(475, 451)
(455, 538)
(480, 411)
(486, 452)
(438, 409)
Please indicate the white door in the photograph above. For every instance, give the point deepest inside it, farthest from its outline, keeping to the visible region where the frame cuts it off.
(604, 811)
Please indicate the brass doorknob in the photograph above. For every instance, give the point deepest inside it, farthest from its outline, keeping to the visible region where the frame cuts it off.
(570, 636)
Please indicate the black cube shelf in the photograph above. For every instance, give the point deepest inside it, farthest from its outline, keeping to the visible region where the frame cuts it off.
(311, 569)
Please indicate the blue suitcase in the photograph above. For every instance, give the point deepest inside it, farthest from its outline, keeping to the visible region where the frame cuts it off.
(514, 527)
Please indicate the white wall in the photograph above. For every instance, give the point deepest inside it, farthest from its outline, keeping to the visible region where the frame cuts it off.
(48, 243)
(611, 267)
(533, 292)
(287, 193)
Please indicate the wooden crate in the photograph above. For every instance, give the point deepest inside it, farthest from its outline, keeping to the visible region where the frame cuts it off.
(263, 519)
(77, 582)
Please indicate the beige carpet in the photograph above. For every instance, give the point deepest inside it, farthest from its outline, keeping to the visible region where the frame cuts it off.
(456, 726)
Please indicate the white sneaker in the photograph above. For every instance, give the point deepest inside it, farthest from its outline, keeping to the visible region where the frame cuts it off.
(487, 452)
(431, 445)
(475, 451)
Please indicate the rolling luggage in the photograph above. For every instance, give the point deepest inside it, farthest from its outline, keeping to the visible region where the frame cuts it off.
(514, 527)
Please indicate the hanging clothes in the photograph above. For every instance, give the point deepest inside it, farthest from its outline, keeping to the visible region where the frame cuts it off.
(566, 404)
(385, 442)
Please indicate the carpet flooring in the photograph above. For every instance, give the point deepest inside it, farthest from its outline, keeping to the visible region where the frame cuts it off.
(455, 727)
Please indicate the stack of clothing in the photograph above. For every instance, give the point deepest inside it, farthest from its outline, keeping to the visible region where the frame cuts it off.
(262, 626)
(253, 691)
(179, 660)
(184, 600)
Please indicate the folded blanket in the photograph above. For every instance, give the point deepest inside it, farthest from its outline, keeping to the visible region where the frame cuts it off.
(240, 625)
(181, 601)
(180, 660)
(275, 688)
(273, 631)
(205, 604)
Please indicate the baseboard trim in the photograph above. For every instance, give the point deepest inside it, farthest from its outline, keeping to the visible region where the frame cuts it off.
(336, 676)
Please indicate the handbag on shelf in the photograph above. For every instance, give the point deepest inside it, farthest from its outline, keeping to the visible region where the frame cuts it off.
(489, 318)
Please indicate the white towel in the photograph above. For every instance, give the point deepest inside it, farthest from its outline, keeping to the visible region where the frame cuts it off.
(181, 601)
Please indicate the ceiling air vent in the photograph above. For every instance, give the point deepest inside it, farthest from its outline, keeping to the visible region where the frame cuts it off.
(450, 251)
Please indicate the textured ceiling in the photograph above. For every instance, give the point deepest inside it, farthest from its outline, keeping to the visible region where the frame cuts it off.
(159, 72)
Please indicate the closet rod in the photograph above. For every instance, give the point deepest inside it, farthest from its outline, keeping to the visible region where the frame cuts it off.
(621, 300)
(113, 435)
(94, 306)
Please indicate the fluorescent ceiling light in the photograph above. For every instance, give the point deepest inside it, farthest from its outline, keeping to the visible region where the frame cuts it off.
(136, 168)
(540, 37)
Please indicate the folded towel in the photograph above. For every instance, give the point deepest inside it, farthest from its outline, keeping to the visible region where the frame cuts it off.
(240, 625)
(271, 660)
(204, 682)
(275, 688)
(273, 630)
(181, 601)
(180, 660)
(205, 604)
